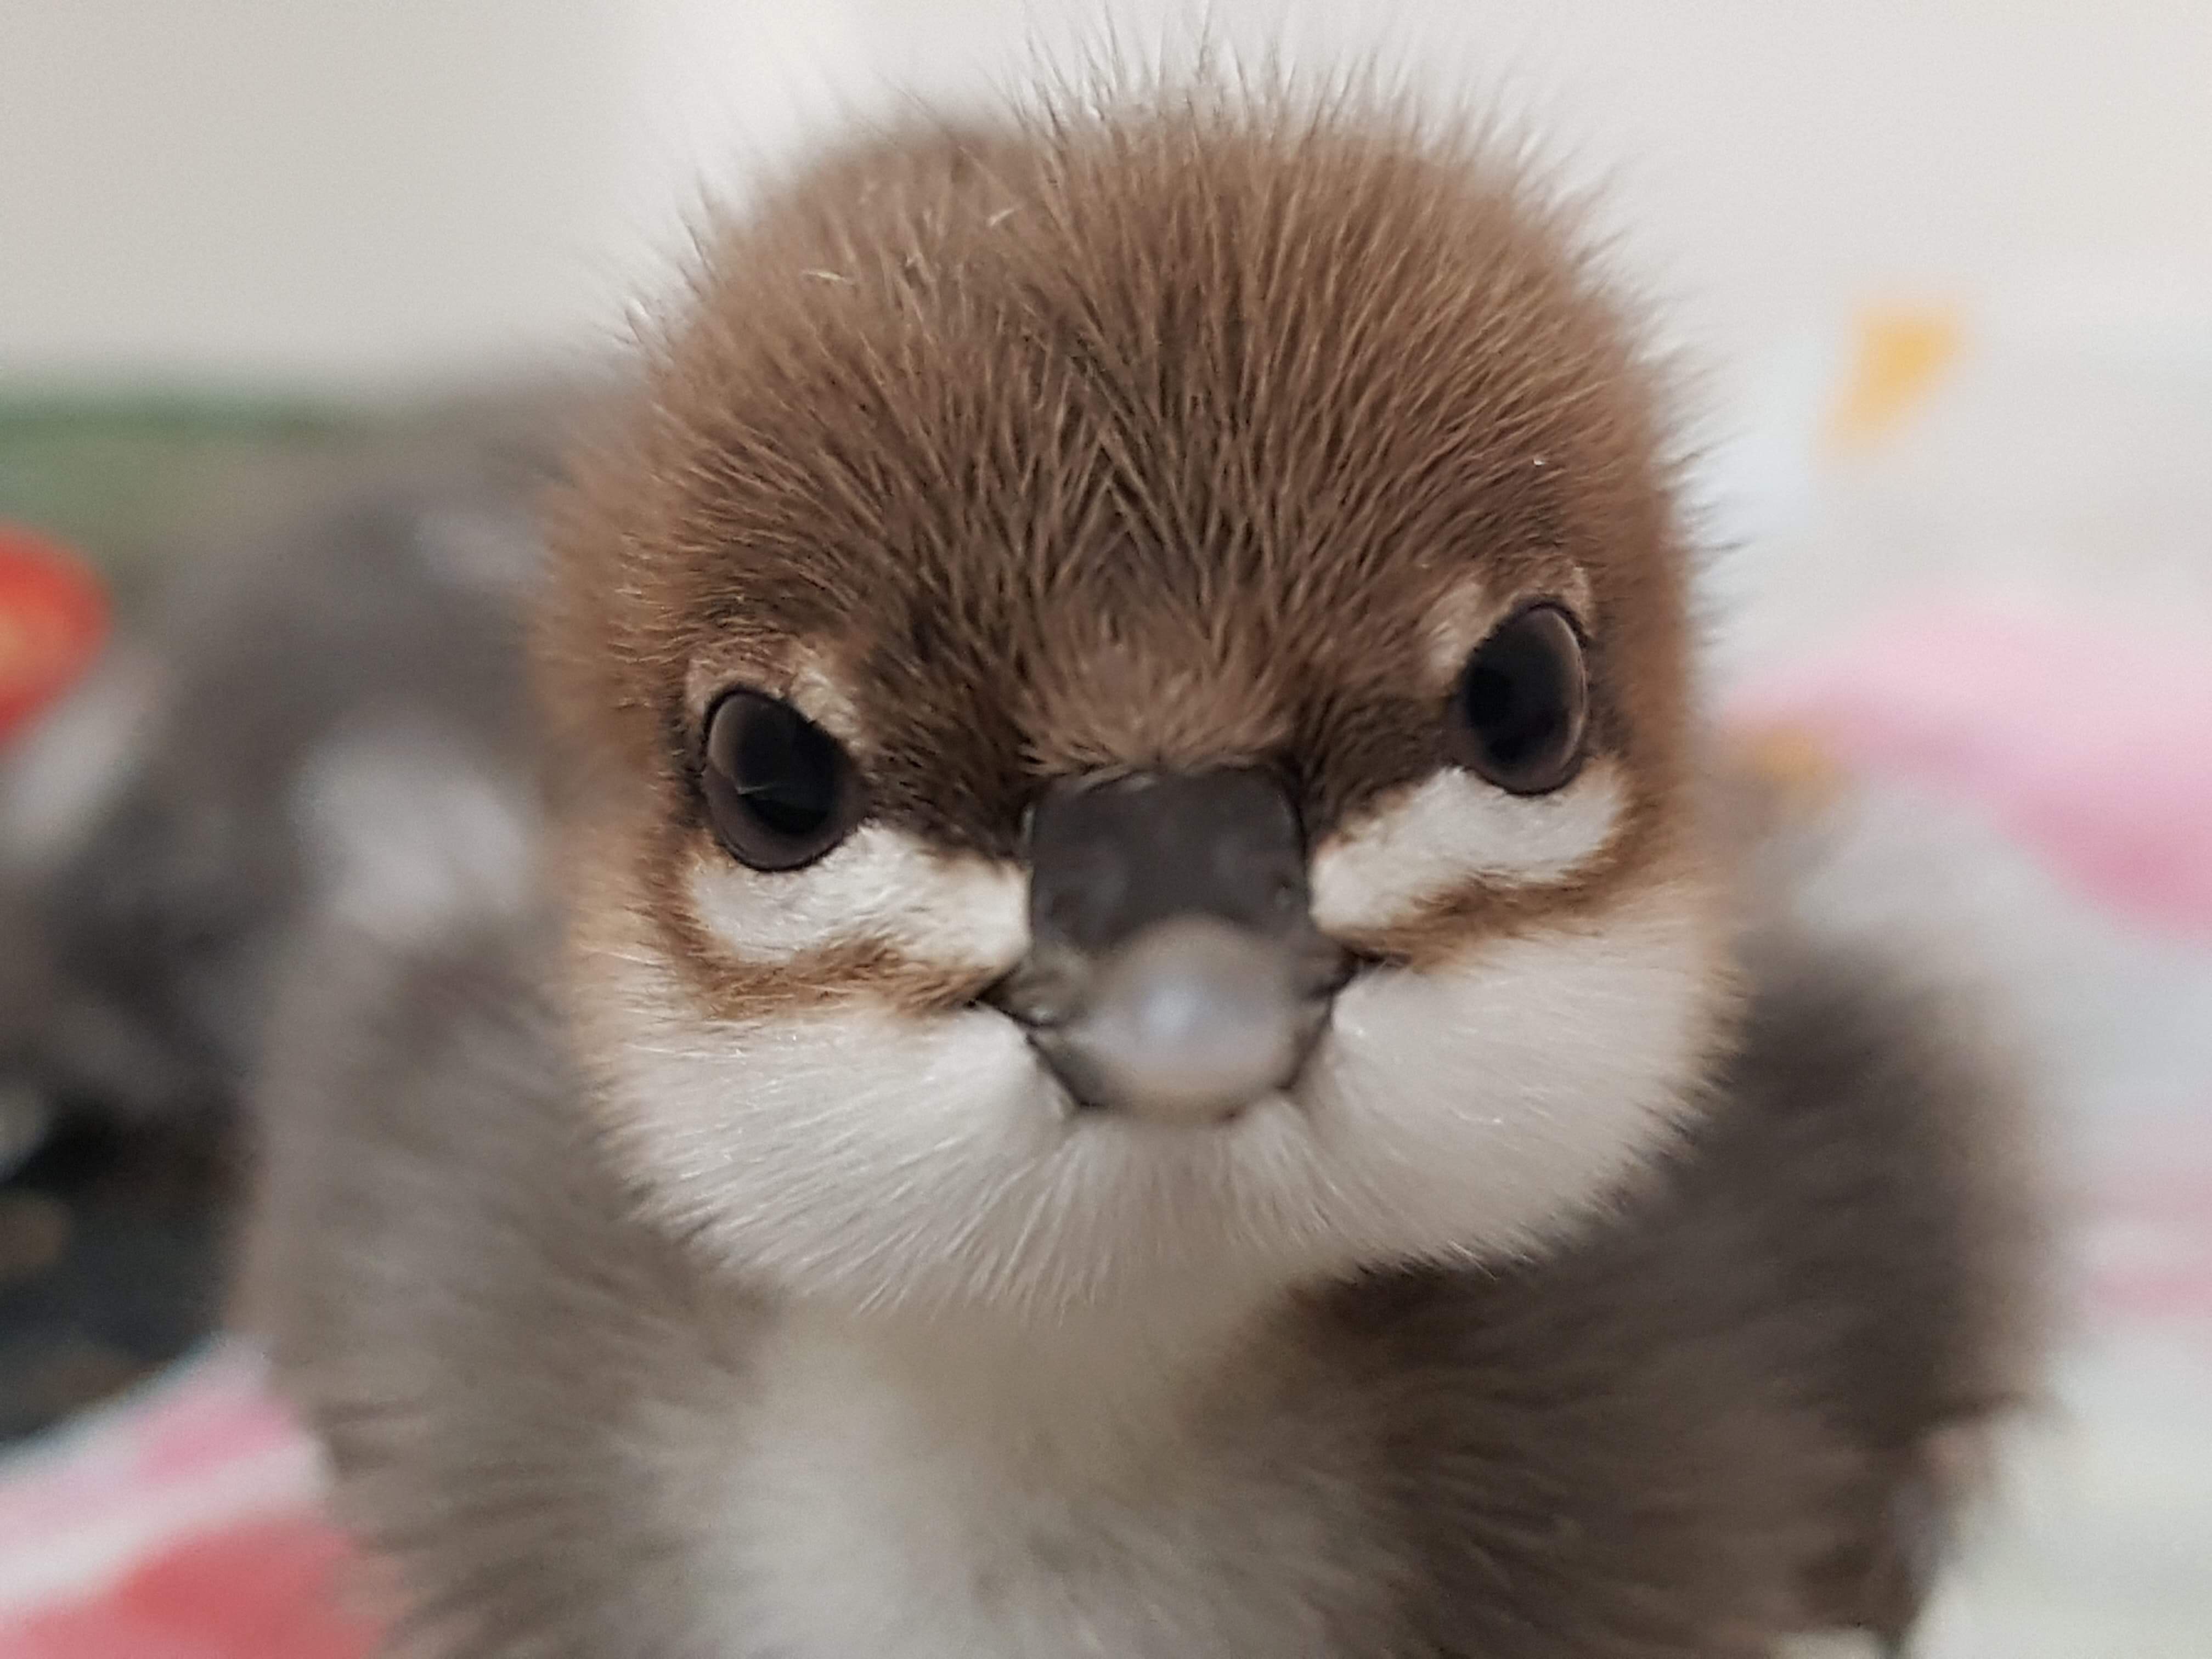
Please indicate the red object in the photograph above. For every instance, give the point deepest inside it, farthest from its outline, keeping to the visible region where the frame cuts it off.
(53, 617)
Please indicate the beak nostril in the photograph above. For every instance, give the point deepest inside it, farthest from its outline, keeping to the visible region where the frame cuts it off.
(1039, 994)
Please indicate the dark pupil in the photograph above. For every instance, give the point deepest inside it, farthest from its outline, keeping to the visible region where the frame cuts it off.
(785, 770)
(1516, 695)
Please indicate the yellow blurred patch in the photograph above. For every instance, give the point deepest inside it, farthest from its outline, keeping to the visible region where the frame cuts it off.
(1795, 768)
(1901, 354)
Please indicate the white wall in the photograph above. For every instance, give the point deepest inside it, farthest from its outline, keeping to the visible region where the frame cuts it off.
(361, 193)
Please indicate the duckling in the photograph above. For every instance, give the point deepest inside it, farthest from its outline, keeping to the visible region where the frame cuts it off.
(1143, 1028)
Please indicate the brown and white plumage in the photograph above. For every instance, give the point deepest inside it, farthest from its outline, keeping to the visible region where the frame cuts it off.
(806, 1238)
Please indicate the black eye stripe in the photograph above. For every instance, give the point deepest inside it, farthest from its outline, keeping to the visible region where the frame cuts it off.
(1520, 713)
(778, 790)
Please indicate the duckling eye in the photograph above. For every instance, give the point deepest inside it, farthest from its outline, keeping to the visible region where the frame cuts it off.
(1520, 711)
(780, 791)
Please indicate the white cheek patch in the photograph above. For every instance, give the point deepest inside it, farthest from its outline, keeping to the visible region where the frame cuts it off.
(1453, 829)
(857, 1151)
(1492, 1101)
(890, 1162)
(890, 1159)
(881, 886)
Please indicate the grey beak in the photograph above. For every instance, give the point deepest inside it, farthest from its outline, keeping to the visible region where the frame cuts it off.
(1175, 972)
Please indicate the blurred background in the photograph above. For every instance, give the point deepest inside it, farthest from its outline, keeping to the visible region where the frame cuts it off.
(323, 197)
(1944, 269)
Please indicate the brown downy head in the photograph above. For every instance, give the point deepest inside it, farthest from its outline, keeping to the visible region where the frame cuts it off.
(1125, 696)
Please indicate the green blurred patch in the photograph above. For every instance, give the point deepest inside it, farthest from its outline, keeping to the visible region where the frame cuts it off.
(114, 477)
